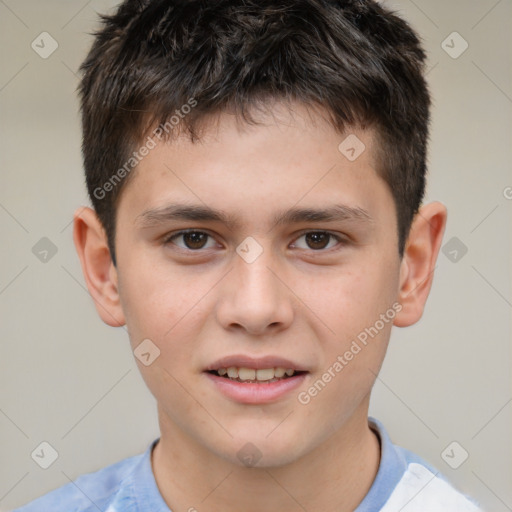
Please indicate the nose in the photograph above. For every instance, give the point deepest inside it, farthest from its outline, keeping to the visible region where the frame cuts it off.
(254, 297)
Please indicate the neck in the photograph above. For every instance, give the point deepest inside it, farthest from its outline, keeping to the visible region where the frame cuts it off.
(334, 476)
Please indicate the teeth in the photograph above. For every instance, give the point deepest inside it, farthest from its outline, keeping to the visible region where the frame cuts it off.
(265, 374)
(260, 375)
(279, 372)
(246, 373)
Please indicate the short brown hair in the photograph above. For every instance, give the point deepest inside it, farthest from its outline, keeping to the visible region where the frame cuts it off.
(357, 60)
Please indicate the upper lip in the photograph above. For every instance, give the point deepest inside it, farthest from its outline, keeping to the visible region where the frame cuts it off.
(258, 363)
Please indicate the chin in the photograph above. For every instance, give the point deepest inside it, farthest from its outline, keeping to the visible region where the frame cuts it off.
(263, 448)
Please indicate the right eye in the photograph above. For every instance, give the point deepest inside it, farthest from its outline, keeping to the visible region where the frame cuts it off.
(191, 240)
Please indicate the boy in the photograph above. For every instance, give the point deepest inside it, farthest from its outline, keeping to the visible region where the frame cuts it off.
(256, 171)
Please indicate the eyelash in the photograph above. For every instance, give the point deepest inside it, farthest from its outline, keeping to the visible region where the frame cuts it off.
(340, 240)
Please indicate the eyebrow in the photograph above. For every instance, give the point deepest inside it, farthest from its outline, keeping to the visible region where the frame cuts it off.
(197, 213)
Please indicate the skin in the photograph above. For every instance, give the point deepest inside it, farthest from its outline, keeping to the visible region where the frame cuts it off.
(293, 301)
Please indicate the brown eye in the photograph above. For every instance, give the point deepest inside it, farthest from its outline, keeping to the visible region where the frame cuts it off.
(318, 240)
(193, 240)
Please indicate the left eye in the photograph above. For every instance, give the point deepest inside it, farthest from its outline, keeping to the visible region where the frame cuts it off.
(316, 240)
(192, 240)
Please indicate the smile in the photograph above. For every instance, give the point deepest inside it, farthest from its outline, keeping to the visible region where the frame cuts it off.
(253, 375)
(255, 380)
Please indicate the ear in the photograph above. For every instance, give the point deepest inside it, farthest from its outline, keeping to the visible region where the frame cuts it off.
(99, 272)
(418, 262)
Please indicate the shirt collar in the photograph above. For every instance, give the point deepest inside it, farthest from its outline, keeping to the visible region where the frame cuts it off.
(391, 469)
(140, 492)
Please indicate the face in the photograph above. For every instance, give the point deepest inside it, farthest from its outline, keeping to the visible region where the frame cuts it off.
(257, 250)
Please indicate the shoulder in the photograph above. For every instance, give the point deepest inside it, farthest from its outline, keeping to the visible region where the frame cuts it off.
(423, 488)
(408, 483)
(89, 492)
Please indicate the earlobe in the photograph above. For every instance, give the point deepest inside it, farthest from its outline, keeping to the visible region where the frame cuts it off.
(99, 272)
(419, 260)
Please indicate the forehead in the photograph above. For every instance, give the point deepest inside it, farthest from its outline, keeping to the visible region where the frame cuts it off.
(289, 157)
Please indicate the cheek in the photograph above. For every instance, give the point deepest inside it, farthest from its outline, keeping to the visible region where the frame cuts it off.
(356, 312)
(353, 355)
(349, 300)
(157, 303)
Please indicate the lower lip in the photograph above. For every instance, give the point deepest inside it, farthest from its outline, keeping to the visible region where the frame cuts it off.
(253, 393)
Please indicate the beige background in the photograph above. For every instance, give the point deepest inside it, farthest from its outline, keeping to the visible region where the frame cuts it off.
(67, 379)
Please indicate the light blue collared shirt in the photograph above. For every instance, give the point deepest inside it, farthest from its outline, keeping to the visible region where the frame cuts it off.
(404, 482)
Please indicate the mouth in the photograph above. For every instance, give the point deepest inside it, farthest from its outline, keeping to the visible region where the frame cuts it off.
(249, 380)
(256, 376)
